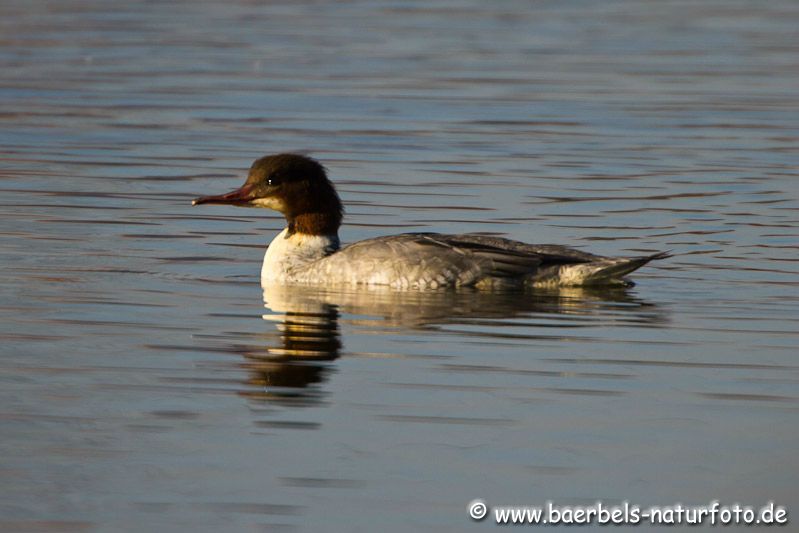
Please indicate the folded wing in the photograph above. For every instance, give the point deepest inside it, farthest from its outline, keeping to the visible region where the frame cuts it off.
(432, 260)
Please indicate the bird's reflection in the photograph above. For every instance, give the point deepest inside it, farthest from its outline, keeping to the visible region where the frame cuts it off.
(309, 339)
(308, 321)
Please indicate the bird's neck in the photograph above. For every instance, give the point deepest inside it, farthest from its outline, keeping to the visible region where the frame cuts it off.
(323, 224)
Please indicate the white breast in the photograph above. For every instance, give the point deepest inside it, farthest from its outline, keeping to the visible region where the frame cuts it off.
(288, 253)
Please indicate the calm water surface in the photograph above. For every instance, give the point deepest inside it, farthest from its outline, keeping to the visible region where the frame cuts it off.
(148, 384)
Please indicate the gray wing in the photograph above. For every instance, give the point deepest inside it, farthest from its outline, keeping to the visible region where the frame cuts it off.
(547, 253)
(563, 266)
(427, 260)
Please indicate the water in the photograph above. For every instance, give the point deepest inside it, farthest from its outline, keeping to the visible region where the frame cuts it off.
(146, 387)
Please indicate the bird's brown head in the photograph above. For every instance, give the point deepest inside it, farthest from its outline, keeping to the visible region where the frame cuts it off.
(294, 185)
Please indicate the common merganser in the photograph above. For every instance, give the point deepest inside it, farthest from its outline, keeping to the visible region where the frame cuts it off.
(308, 250)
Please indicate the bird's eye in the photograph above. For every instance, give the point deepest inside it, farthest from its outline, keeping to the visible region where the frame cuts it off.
(272, 181)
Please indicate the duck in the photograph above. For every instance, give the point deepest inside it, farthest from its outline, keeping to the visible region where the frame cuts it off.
(308, 250)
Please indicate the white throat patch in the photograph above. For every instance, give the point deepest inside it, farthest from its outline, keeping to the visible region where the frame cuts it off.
(270, 202)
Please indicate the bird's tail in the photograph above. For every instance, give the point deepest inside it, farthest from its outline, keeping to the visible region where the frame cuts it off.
(601, 271)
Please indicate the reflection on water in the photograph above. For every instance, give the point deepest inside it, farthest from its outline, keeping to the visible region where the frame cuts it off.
(309, 338)
(428, 309)
(307, 319)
